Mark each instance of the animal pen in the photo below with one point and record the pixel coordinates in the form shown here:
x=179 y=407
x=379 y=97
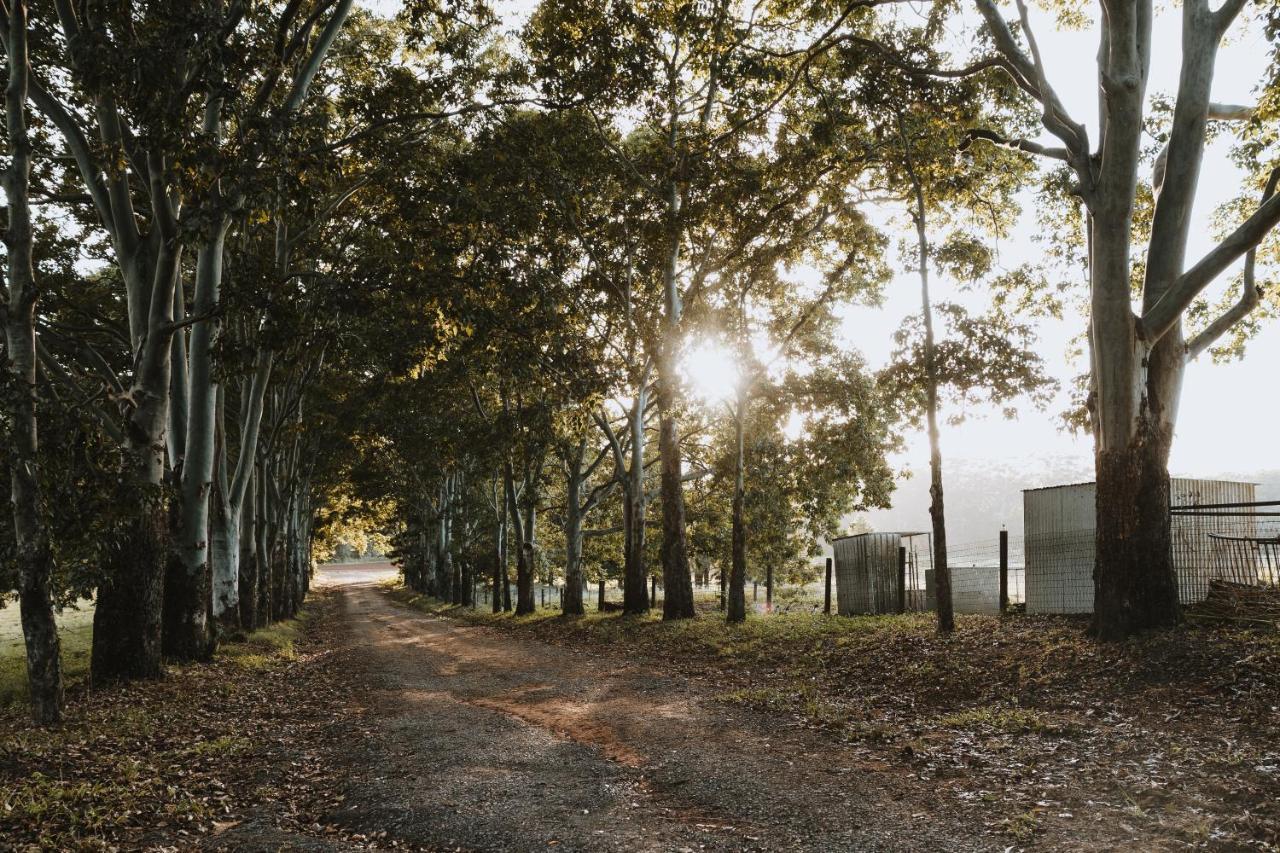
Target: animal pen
x=1218 y=533
x=893 y=573
x=879 y=573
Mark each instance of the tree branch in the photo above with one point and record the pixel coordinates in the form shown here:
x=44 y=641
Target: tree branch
x=1164 y=314
x=1029 y=74
x=1250 y=296
x=1024 y=145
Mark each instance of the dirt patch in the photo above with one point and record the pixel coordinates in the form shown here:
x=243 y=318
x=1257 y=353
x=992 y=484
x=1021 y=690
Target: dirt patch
x=574 y=720
x=483 y=741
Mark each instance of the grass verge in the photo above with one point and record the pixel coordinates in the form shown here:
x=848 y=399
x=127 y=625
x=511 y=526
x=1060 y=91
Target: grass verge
x=75 y=631
x=150 y=764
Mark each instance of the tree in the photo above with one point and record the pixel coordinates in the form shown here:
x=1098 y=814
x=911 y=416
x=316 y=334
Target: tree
x=1137 y=357
x=33 y=549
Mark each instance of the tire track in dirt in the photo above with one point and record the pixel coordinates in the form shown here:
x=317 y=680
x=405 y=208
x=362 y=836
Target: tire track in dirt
x=479 y=740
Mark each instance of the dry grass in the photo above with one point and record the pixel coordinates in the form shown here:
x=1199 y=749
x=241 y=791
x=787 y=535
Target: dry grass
x=144 y=765
x=75 y=630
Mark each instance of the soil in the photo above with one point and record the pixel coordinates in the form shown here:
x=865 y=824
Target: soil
x=476 y=739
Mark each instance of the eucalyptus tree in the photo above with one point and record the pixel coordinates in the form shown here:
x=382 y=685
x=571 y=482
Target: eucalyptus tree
x=32 y=547
x=584 y=491
x=811 y=436
x=886 y=102
x=1137 y=355
x=923 y=161
x=698 y=83
x=151 y=210
x=187 y=632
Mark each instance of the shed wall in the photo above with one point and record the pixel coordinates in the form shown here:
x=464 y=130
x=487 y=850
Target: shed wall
x=867 y=573
x=1059 y=526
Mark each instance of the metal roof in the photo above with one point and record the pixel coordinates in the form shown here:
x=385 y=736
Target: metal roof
x=902 y=533
x=1091 y=482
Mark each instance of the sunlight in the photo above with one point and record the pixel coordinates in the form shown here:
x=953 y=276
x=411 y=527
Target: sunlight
x=711 y=371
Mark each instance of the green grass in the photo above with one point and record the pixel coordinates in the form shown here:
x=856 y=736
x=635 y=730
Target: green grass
x=75 y=630
x=266 y=646
x=1010 y=721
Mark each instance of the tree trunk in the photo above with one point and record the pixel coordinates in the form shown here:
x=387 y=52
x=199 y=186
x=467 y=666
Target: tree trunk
x=937 y=513
x=677 y=585
x=224 y=563
x=524 y=588
x=262 y=548
x=635 y=599
x=737 y=611
x=188 y=590
x=129 y=605
x=248 y=592
x=127 y=613
x=499 y=562
x=571 y=600
x=229 y=495
x=502 y=565
x=34 y=556
x=1135 y=584
x=526 y=564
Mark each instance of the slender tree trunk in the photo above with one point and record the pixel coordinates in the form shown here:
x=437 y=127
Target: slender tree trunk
x=677 y=583
x=262 y=557
x=635 y=595
x=524 y=581
x=224 y=563
x=34 y=556
x=179 y=399
x=738 y=570
x=524 y=585
x=499 y=561
x=937 y=512
x=187 y=633
x=571 y=600
x=502 y=567
x=229 y=495
x=249 y=555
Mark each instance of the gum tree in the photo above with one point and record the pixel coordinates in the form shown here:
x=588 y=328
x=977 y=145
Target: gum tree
x=1138 y=348
x=33 y=549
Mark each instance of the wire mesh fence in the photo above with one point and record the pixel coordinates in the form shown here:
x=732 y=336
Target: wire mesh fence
x=1234 y=542
x=1044 y=571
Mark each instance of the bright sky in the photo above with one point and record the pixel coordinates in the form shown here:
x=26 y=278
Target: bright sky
x=1228 y=413
x=1218 y=400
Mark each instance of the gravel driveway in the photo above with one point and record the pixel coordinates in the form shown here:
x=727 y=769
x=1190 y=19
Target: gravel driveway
x=477 y=740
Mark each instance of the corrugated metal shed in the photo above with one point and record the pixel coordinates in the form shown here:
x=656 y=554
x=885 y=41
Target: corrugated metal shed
x=1059 y=524
x=867 y=576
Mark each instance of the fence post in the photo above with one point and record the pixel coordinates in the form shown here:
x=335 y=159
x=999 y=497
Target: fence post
x=768 y=589
x=600 y=600
x=543 y=591
x=755 y=590
x=653 y=591
x=902 y=579
x=1004 y=572
x=826 y=605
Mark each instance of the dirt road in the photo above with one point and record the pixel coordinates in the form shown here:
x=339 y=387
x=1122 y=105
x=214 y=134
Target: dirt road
x=480 y=741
